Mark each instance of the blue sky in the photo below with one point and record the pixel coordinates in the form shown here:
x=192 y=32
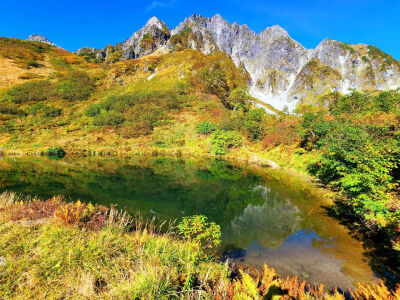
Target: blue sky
x=77 y=23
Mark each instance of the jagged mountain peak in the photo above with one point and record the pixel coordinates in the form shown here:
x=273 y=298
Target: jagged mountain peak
x=218 y=18
x=327 y=47
x=154 y=21
x=40 y=38
x=275 y=30
x=154 y=34
x=195 y=18
x=236 y=24
x=282 y=71
x=273 y=33
x=328 y=42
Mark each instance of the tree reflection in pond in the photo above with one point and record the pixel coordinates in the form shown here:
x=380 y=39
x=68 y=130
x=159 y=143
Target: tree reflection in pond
x=266 y=216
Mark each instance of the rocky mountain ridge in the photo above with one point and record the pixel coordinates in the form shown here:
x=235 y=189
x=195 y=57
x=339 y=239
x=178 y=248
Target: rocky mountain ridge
x=41 y=38
x=282 y=71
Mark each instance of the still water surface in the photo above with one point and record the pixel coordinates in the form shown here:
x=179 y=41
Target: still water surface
x=266 y=216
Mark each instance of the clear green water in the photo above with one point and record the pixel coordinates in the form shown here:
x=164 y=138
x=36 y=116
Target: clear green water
x=266 y=216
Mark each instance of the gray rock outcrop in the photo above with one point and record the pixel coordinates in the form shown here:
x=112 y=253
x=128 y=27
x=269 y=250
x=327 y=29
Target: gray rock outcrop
x=41 y=38
x=283 y=72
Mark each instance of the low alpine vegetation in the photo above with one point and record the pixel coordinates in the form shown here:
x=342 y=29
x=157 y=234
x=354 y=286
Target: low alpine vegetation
x=90 y=251
x=206 y=128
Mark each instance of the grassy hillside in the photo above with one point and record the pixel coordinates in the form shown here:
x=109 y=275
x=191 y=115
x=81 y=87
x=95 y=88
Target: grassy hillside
x=153 y=102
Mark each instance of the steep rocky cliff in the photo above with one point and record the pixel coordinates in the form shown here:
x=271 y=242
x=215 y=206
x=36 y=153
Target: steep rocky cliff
x=282 y=71
x=154 y=35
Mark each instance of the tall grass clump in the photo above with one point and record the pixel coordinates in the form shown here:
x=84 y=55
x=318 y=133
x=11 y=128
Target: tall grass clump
x=8 y=198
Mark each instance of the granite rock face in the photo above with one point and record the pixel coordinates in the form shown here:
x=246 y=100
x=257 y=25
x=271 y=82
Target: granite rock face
x=40 y=38
x=145 y=41
x=282 y=71
x=148 y=39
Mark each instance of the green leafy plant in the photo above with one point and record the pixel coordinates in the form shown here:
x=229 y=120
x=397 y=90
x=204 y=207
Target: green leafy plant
x=239 y=99
x=34 y=64
x=108 y=119
x=205 y=127
x=223 y=140
x=254 y=123
x=30 y=91
x=214 y=81
x=362 y=167
x=92 y=110
x=10 y=108
x=44 y=110
x=199 y=230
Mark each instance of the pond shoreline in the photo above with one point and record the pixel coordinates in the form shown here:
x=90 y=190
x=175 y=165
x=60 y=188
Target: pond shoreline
x=269 y=203
x=250 y=157
x=239 y=279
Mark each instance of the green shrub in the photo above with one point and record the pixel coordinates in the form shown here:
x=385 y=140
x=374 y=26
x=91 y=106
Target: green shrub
x=34 y=64
x=223 y=140
x=254 y=123
x=141 y=110
x=51 y=111
x=362 y=167
x=214 y=81
x=92 y=110
x=357 y=103
x=118 y=103
x=239 y=99
x=30 y=91
x=233 y=121
x=75 y=86
x=142 y=119
x=56 y=151
x=314 y=128
x=388 y=101
x=89 y=56
x=44 y=110
x=200 y=231
x=353 y=103
x=10 y=108
x=205 y=127
x=108 y=119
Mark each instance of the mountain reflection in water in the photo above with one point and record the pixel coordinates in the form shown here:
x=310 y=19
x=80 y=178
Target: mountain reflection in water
x=266 y=216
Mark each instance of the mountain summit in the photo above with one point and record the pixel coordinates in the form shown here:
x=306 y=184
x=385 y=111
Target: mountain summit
x=148 y=39
x=41 y=38
x=282 y=71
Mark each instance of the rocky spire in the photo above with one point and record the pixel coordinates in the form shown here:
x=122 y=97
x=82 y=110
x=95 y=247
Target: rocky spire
x=154 y=21
x=154 y=34
x=273 y=32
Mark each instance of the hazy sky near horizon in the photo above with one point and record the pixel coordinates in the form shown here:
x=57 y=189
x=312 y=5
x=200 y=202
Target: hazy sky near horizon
x=76 y=23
